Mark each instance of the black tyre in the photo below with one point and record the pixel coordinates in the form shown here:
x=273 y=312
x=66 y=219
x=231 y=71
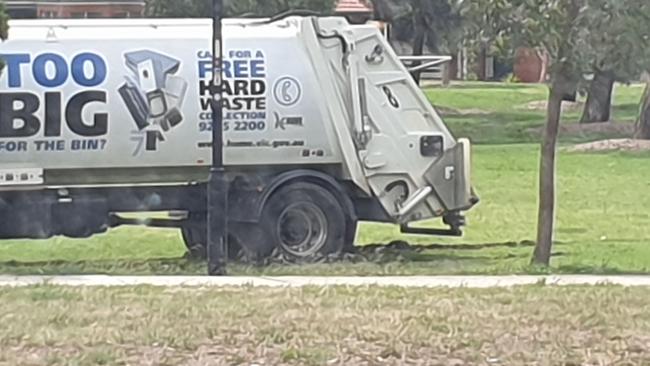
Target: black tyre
x=305 y=222
x=350 y=236
x=195 y=244
x=195 y=240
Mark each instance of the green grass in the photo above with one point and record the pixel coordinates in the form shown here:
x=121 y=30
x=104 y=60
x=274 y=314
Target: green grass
x=602 y=228
x=497 y=113
x=602 y=220
x=319 y=326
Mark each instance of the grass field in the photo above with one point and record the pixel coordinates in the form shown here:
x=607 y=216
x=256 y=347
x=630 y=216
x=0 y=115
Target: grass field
x=500 y=113
x=602 y=222
x=602 y=228
x=335 y=326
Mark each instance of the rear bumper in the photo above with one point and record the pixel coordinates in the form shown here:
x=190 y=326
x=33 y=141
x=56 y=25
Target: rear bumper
x=450 y=178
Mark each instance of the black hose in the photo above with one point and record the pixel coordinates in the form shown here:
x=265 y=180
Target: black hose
x=296 y=12
x=314 y=20
x=321 y=35
x=283 y=15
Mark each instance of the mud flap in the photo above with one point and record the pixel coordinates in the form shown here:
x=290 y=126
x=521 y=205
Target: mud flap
x=449 y=176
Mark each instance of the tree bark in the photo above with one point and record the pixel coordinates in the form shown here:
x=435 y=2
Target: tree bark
x=543 y=58
x=563 y=87
x=482 y=62
x=546 y=218
x=643 y=124
x=418 y=49
x=599 y=99
x=446 y=74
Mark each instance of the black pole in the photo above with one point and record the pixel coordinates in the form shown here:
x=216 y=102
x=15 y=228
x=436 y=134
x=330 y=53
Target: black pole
x=217 y=185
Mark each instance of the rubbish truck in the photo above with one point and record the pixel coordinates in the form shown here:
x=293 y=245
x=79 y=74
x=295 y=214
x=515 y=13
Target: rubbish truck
x=323 y=128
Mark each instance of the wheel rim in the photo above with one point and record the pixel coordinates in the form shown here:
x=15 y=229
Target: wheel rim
x=302 y=229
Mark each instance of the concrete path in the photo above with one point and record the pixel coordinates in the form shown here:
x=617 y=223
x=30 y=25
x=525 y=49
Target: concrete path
x=412 y=282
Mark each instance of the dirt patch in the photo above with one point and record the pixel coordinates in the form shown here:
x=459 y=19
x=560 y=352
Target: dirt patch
x=612 y=145
x=607 y=129
x=542 y=105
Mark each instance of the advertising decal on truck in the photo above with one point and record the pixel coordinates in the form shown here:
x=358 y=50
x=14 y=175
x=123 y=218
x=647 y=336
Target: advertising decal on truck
x=138 y=99
x=50 y=71
x=153 y=95
x=244 y=90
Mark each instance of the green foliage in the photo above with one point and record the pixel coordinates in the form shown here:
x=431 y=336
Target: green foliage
x=203 y=8
x=439 y=21
x=580 y=35
x=4 y=19
x=621 y=38
x=178 y=8
x=4 y=27
x=485 y=21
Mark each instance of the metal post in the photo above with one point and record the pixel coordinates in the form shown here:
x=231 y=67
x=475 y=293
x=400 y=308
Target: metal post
x=217 y=185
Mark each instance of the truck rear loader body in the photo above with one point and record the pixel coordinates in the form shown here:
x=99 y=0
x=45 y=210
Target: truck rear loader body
x=323 y=127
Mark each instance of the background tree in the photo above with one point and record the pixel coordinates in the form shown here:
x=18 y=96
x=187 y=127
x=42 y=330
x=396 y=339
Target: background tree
x=4 y=22
x=202 y=8
x=643 y=123
x=4 y=27
x=621 y=53
x=431 y=24
x=557 y=27
x=573 y=33
x=178 y=8
x=487 y=28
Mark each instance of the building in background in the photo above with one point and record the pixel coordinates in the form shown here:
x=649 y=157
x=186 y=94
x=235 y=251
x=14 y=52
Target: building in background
x=29 y=9
x=356 y=11
x=531 y=65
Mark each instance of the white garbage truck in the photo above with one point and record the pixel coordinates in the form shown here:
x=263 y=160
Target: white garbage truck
x=323 y=128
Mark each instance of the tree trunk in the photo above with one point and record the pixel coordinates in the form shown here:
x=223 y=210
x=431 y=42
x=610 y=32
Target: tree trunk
x=643 y=125
x=446 y=74
x=482 y=62
x=418 y=50
x=543 y=58
x=599 y=99
x=563 y=87
x=546 y=218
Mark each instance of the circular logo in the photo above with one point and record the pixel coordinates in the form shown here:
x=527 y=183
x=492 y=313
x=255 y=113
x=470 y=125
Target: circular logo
x=287 y=91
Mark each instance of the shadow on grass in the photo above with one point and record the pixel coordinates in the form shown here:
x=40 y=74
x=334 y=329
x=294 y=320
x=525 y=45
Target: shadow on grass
x=627 y=109
x=349 y=265
x=506 y=119
x=404 y=246
x=397 y=258
x=484 y=86
x=401 y=253
x=158 y=266
x=474 y=255
x=597 y=270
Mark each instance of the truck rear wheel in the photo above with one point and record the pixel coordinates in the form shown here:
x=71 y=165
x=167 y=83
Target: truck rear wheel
x=305 y=222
